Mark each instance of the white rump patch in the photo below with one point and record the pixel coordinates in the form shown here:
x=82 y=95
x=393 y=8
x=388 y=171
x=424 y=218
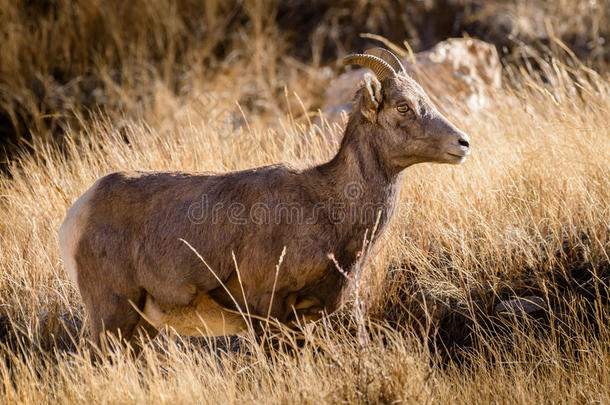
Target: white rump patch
x=71 y=230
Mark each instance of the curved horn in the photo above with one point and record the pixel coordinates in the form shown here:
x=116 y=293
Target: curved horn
x=381 y=68
x=388 y=57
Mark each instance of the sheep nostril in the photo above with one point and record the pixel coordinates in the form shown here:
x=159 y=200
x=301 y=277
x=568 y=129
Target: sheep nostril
x=464 y=142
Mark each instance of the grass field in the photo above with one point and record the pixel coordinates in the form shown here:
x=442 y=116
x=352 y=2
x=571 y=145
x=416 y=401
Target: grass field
x=528 y=214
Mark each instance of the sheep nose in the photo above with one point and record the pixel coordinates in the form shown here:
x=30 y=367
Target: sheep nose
x=464 y=142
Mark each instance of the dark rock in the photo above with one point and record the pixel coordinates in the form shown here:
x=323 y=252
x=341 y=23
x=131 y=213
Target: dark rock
x=520 y=306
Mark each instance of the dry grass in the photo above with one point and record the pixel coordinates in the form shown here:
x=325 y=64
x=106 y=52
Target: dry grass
x=527 y=214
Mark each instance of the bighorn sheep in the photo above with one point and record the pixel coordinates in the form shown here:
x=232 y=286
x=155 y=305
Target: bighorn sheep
x=122 y=242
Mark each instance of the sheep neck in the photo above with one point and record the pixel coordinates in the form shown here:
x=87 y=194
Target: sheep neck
x=360 y=176
x=360 y=160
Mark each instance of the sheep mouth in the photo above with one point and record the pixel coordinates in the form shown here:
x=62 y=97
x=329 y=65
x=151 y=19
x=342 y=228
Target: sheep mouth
x=454 y=158
x=455 y=155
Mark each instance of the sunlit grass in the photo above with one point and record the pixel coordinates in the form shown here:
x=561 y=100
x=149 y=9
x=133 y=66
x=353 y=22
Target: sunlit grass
x=528 y=206
x=527 y=214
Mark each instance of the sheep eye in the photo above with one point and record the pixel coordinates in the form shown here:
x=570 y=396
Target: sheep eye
x=403 y=108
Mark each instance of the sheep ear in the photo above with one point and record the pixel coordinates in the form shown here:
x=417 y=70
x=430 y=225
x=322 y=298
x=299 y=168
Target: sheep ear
x=371 y=98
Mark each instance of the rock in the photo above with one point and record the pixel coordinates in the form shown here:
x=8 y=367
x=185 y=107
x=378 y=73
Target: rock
x=462 y=69
x=520 y=306
x=59 y=329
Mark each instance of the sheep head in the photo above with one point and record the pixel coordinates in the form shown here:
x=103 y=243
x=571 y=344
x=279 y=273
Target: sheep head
x=407 y=127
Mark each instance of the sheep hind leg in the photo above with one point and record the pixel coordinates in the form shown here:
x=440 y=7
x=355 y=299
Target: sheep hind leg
x=114 y=313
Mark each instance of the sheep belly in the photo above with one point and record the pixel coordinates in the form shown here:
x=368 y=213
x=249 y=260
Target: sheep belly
x=203 y=317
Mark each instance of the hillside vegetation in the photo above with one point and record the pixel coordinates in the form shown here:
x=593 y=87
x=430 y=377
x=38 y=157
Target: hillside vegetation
x=94 y=87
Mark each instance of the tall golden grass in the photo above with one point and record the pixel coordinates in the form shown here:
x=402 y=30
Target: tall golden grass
x=527 y=214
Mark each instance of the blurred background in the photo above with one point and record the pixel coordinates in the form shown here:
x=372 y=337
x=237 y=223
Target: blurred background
x=63 y=62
